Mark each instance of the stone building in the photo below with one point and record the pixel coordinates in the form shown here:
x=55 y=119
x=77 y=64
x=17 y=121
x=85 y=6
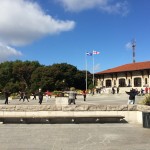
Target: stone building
x=133 y=75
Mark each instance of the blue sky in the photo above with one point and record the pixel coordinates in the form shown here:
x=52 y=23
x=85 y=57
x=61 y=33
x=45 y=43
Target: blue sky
x=62 y=31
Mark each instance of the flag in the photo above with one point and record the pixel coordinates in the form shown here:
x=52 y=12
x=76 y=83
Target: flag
x=96 y=52
x=89 y=54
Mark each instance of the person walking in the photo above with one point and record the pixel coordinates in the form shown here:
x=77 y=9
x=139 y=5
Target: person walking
x=84 y=95
x=40 y=94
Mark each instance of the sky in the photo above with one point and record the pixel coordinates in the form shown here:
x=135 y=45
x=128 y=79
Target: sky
x=62 y=31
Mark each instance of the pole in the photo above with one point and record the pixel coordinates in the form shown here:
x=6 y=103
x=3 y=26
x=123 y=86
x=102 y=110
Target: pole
x=133 y=48
x=93 y=70
x=86 y=70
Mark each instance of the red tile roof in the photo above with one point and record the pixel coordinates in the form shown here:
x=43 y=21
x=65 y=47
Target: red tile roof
x=128 y=67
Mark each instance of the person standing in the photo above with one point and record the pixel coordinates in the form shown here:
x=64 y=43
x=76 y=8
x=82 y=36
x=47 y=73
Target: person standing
x=47 y=95
x=142 y=92
x=71 y=96
x=6 y=96
x=40 y=94
x=118 y=89
x=113 y=90
x=84 y=95
x=34 y=95
x=146 y=90
x=21 y=95
x=25 y=96
x=132 y=95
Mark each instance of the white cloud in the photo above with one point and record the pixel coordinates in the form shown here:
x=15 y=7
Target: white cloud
x=7 y=52
x=128 y=45
x=22 y=21
x=109 y=6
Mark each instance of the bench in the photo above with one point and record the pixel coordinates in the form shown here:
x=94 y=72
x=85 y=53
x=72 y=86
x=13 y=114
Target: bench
x=65 y=119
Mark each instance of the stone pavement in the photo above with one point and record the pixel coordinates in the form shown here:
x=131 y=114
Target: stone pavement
x=74 y=137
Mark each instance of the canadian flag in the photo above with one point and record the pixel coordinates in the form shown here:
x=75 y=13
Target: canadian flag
x=96 y=52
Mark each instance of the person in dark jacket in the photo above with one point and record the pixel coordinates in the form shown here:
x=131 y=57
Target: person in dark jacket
x=84 y=95
x=34 y=95
x=113 y=90
x=7 y=94
x=21 y=95
x=132 y=95
x=25 y=96
x=40 y=94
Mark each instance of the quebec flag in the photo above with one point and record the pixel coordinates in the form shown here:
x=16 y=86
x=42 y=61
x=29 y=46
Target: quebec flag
x=89 y=54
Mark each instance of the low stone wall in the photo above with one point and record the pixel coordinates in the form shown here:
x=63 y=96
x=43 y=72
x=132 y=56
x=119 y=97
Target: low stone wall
x=132 y=113
x=74 y=108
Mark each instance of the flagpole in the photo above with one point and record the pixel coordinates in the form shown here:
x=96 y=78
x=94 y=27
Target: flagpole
x=86 y=69
x=93 y=70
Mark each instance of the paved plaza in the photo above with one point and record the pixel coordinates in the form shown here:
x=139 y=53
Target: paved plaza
x=74 y=137
x=107 y=136
x=108 y=99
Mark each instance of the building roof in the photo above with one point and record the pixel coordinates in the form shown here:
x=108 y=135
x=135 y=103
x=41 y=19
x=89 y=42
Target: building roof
x=128 y=67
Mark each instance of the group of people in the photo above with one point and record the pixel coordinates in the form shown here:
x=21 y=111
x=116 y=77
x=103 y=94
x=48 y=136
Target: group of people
x=40 y=95
x=71 y=95
x=24 y=96
x=114 y=90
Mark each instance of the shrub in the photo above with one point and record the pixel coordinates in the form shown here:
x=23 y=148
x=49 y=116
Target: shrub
x=146 y=100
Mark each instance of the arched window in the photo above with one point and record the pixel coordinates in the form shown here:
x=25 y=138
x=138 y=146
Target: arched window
x=108 y=83
x=122 y=83
x=137 y=82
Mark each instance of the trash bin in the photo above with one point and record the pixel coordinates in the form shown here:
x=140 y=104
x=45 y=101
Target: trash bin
x=146 y=119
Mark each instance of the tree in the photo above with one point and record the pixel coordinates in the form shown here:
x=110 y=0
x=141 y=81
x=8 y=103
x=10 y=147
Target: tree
x=30 y=76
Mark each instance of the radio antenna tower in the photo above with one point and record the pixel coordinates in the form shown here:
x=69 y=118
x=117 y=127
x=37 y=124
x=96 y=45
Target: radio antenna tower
x=133 y=48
